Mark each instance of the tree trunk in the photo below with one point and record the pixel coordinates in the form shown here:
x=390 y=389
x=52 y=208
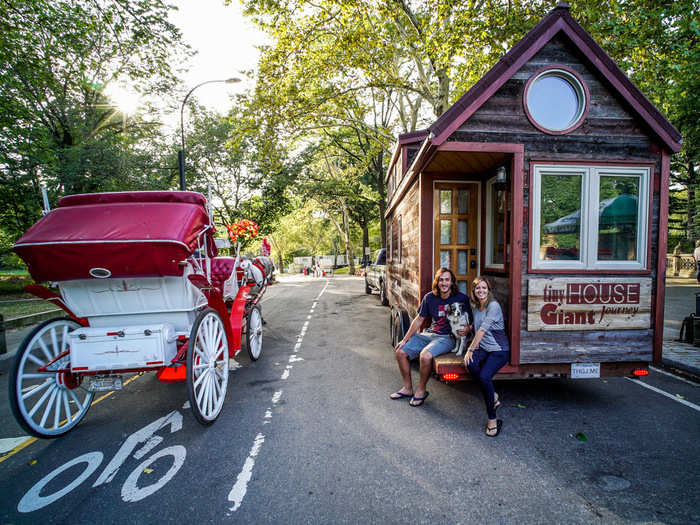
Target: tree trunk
x=365 y=242
x=381 y=188
x=346 y=237
x=690 y=229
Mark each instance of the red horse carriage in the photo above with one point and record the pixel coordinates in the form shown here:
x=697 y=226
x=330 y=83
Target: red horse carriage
x=139 y=277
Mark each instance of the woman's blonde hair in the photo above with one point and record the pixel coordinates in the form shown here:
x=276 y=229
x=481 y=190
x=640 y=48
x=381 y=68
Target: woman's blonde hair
x=453 y=286
x=472 y=296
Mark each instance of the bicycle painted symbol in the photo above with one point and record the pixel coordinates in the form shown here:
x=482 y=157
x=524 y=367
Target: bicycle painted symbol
x=131 y=491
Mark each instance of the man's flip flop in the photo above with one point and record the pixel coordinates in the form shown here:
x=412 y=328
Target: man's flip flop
x=418 y=401
x=499 y=424
x=399 y=395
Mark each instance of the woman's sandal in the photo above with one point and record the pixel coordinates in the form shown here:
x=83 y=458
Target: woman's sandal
x=497 y=428
x=497 y=404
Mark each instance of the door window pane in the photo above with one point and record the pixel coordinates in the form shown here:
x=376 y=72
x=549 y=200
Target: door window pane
x=462 y=201
x=617 y=218
x=560 y=229
x=461 y=262
x=462 y=232
x=445 y=201
x=445 y=231
x=445 y=258
x=498 y=222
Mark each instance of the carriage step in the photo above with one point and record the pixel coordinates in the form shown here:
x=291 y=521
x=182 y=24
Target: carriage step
x=106 y=383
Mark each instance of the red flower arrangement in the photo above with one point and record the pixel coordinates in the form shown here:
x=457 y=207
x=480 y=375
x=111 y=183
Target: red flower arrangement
x=244 y=230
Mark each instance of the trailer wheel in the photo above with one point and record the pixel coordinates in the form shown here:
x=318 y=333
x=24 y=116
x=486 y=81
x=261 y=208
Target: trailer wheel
x=47 y=404
x=382 y=294
x=207 y=366
x=254 y=333
x=391 y=327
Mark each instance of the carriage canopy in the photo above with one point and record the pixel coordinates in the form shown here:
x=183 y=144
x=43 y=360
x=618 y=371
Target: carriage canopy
x=128 y=234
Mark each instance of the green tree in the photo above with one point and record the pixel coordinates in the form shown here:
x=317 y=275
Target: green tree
x=57 y=125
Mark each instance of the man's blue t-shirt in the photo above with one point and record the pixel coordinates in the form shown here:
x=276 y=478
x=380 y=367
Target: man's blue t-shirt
x=437 y=308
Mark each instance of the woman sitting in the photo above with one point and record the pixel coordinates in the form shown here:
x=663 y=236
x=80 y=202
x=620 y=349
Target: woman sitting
x=489 y=350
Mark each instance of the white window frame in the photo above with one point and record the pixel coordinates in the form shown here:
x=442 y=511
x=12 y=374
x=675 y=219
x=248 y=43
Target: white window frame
x=489 y=228
x=590 y=197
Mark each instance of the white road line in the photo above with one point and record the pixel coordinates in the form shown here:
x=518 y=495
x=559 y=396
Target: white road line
x=8 y=444
x=663 y=393
x=674 y=376
x=241 y=487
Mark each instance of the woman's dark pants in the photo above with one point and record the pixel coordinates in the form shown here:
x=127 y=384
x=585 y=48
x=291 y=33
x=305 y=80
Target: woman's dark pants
x=483 y=367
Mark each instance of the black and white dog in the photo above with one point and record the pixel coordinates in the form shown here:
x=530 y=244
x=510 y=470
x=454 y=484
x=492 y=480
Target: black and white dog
x=459 y=320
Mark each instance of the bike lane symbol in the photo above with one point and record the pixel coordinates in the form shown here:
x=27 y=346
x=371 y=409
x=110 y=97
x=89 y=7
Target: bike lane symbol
x=33 y=500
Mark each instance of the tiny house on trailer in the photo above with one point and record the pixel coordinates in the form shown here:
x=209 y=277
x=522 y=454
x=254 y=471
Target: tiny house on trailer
x=549 y=176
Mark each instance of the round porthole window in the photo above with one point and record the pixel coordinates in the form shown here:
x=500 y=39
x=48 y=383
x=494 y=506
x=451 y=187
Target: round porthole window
x=556 y=100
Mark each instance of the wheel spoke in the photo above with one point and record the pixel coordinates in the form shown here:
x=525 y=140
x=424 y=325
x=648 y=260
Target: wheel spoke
x=57 y=408
x=81 y=406
x=42 y=399
x=217 y=385
x=202 y=355
x=35 y=389
x=42 y=346
x=35 y=360
x=54 y=341
x=64 y=338
x=207 y=395
x=202 y=388
x=64 y=395
x=46 y=375
x=47 y=410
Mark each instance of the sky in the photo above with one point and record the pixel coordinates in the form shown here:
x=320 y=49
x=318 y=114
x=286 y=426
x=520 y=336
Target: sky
x=224 y=40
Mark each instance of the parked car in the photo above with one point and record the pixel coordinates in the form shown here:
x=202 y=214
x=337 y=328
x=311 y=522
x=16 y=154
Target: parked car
x=375 y=276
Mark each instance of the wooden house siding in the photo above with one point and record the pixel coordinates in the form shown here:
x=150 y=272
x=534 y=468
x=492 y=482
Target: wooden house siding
x=403 y=276
x=610 y=133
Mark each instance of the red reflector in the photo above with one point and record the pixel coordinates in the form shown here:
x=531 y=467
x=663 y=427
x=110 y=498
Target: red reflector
x=452 y=376
x=149 y=363
x=171 y=374
x=80 y=368
x=640 y=372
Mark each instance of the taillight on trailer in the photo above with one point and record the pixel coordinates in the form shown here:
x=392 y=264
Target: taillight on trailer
x=451 y=376
x=639 y=372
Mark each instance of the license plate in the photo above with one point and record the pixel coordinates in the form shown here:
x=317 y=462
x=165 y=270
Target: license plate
x=585 y=370
x=103 y=384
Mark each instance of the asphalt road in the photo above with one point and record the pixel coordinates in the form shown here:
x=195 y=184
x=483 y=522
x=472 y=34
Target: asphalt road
x=309 y=435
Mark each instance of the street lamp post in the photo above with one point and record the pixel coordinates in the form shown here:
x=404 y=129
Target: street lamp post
x=181 y=153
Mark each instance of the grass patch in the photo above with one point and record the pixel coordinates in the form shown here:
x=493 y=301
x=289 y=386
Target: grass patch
x=12 y=307
x=341 y=271
x=15 y=302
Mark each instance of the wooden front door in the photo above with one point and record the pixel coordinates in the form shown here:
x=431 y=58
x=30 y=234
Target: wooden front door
x=456 y=230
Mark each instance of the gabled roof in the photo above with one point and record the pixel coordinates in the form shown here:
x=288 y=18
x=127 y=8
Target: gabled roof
x=559 y=19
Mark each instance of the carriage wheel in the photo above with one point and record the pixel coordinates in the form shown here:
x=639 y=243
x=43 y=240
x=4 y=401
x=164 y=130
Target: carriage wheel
x=207 y=366
x=47 y=404
x=254 y=333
